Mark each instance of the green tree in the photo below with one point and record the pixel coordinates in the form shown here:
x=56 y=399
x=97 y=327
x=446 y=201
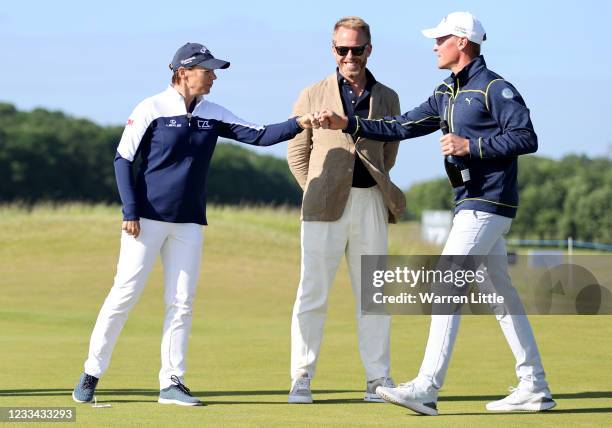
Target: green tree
x=434 y=194
x=49 y=156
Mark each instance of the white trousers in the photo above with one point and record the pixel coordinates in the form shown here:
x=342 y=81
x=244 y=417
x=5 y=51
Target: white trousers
x=180 y=245
x=361 y=230
x=481 y=233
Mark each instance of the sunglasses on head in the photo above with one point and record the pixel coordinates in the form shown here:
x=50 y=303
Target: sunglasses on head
x=356 y=50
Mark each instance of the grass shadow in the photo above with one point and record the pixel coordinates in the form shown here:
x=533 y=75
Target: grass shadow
x=154 y=392
x=556 y=396
x=549 y=412
x=108 y=396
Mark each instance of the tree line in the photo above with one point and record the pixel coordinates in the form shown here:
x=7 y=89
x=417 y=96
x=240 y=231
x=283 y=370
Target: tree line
x=49 y=156
x=558 y=198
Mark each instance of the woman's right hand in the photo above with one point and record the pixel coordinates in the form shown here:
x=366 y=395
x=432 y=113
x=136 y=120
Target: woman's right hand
x=131 y=227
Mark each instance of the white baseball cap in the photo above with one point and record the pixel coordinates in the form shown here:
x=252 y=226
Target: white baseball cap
x=461 y=24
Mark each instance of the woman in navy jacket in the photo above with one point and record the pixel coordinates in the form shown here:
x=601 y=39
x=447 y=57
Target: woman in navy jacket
x=174 y=134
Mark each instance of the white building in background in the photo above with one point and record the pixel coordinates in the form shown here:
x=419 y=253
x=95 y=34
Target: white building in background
x=545 y=258
x=435 y=226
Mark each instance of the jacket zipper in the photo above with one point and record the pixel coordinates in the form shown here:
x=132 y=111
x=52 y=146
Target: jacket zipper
x=451 y=105
x=189 y=126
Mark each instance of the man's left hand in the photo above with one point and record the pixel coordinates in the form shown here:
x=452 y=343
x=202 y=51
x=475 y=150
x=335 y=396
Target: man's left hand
x=455 y=145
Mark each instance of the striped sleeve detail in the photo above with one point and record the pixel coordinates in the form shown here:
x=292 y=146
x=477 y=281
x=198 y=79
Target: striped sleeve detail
x=356 y=126
x=426 y=121
x=487 y=92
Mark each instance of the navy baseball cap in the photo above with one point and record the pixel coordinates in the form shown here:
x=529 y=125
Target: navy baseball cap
x=192 y=54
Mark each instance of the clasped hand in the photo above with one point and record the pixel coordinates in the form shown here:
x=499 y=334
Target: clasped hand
x=450 y=144
x=325 y=119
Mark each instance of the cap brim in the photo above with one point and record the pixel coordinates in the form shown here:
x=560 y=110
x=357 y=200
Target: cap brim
x=434 y=33
x=214 y=64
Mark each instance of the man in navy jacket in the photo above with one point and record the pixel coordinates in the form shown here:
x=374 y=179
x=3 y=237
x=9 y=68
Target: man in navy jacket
x=487 y=128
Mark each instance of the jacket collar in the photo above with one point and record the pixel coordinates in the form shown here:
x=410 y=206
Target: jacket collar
x=471 y=69
x=177 y=97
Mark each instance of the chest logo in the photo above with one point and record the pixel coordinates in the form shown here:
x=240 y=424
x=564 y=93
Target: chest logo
x=204 y=124
x=507 y=93
x=469 y=101
x=173 y=124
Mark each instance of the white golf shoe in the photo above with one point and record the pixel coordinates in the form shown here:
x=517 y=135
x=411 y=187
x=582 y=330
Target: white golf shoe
x=524 y=399
x=372 y=385
x=300 y=391
x=413 y=396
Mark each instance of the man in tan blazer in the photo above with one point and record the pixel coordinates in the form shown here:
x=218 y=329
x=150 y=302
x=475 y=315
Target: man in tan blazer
x=348 y=201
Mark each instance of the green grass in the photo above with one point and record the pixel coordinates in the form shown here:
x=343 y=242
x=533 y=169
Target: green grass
x=57 y=264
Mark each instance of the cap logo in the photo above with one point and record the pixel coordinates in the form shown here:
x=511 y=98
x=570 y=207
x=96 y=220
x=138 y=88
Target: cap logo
x=205 y=51
x=187 y=60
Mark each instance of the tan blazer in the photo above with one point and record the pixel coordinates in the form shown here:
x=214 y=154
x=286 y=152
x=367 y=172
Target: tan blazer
x=322 y=160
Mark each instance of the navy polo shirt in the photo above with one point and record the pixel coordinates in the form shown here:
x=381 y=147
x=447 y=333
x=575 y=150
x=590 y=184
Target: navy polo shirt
x=357 y=105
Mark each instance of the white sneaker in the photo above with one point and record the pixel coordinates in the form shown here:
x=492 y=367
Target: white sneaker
x=524 y=399
x=412 y=396
x=371 y=385
x=300 y=391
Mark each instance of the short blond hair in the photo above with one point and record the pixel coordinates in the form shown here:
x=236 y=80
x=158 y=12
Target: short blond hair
x=355 y=23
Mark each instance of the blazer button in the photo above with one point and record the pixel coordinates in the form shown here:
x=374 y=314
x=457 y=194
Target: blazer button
x=350 y=169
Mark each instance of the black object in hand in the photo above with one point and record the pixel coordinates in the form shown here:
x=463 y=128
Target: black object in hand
x=456 y=169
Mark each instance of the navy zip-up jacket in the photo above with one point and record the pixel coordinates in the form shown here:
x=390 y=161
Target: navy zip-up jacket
x=481 y=106
x=176 y=147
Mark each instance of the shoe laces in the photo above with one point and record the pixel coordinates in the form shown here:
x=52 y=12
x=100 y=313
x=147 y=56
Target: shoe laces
x=388 y=382
x=180 y=385
x=89 y=382
x=515 y=392
x=302 y=383
x=407 y=385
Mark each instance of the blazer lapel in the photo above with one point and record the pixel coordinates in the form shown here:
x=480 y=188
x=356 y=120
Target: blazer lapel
x=336 y=100
x=332 y=82
x=376 y=106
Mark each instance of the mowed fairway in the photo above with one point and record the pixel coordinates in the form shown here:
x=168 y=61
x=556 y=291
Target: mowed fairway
x=57 y=265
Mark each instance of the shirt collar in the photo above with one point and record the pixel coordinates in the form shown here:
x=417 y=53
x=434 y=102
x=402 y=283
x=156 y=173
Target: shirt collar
x=370 y=80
